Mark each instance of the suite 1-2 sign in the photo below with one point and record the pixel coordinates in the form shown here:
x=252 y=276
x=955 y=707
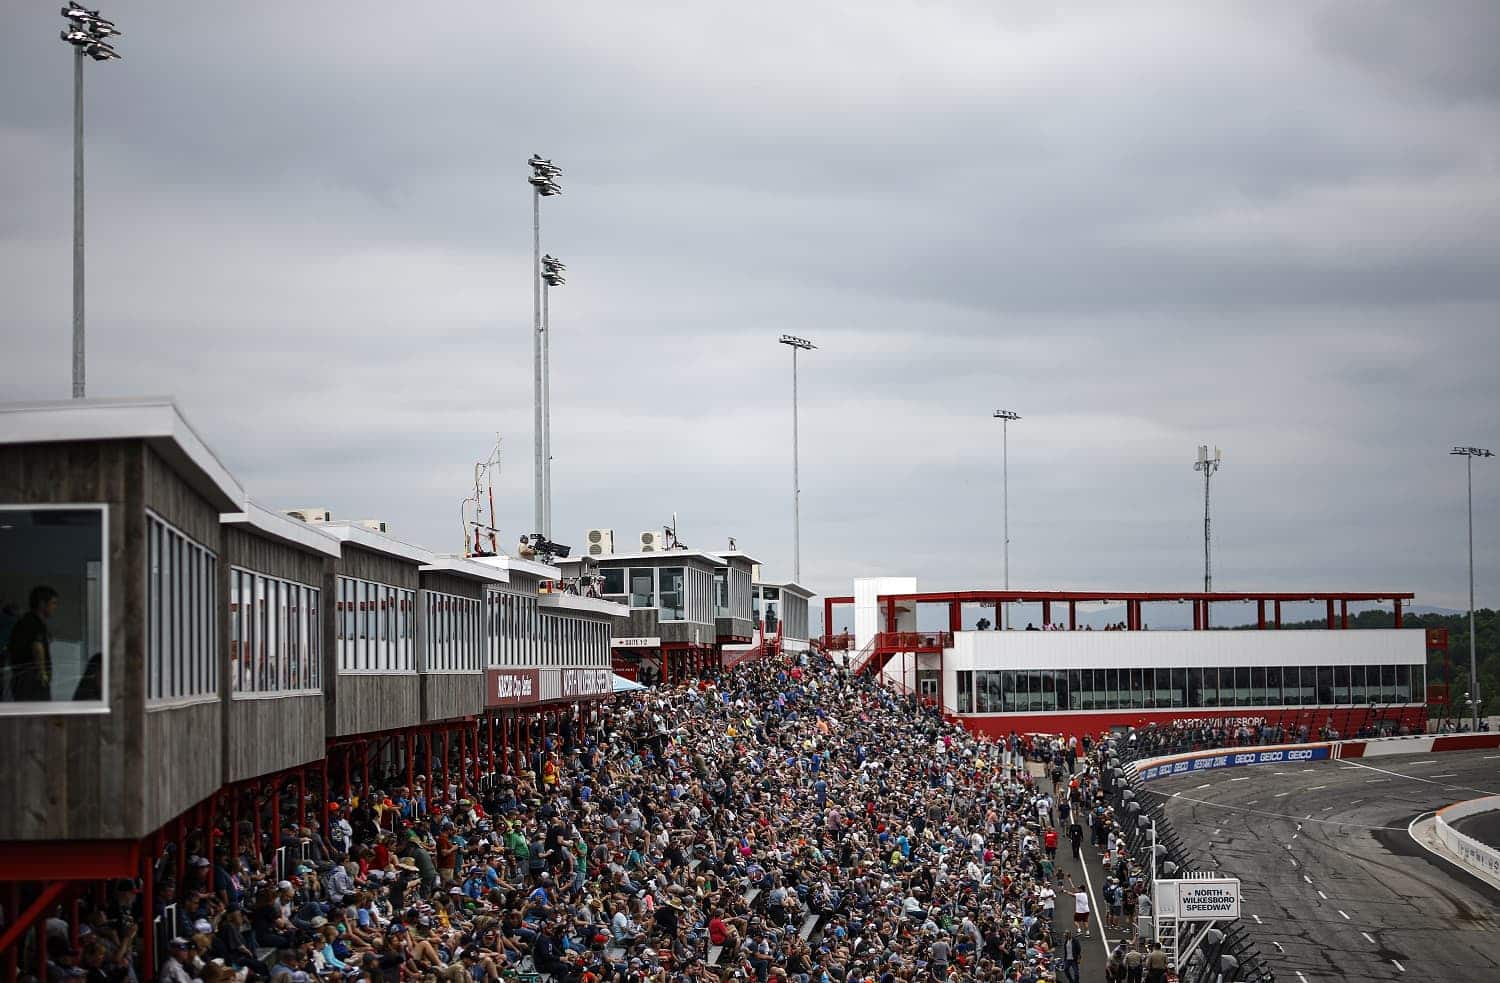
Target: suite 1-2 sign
x=1208 y=900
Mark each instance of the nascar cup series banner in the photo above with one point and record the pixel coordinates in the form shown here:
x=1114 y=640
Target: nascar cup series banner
x=1231 y=759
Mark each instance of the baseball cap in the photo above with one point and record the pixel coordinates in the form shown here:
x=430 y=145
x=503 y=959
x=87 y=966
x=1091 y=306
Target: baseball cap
x=178 y=942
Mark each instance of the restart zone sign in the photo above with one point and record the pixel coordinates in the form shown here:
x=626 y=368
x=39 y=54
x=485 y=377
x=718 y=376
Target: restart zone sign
x=1232 y=759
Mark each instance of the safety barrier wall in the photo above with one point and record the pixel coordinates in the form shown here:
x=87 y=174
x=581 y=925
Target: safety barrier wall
x=1478 y=857
x=1165 y=766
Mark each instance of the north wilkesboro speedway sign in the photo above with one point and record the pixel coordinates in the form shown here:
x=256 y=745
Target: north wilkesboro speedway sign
x=1231 y=759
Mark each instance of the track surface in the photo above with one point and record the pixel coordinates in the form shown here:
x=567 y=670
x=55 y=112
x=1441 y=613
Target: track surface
x=1333 y=886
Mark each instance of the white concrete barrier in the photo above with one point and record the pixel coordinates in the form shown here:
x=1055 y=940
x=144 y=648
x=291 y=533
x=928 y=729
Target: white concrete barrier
x=1480 y=858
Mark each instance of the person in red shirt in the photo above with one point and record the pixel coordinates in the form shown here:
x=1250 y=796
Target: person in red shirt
x=721 y=933
x=1049 y=840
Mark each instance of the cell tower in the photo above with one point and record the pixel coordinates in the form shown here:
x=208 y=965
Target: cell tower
x=1209 y=466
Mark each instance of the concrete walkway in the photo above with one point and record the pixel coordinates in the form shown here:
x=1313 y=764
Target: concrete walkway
x=1095 y=954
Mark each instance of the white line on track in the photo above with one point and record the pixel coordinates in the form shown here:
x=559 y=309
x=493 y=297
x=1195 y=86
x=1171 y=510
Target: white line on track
x=1398 y=965
x=1307 y=879
x=1322 y=895
x=1368 y=938
x=1300 y=976
x=1206 y=785
x=1247 y=777
x=1281 y=795
x=1372 y=781
x=1278 y=947
x=1096 y=911
x=1316 y=787
x=1341 y=912
x=1412 y=778
x=1216 y=832
x=1490 y=757
x=1449 y=775
x=1257 y=919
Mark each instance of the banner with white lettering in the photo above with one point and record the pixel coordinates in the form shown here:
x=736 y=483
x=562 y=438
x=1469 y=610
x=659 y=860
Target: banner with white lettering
x=1231 y=759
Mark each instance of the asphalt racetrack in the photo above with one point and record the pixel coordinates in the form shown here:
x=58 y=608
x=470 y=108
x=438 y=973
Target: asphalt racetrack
x=1333 y=887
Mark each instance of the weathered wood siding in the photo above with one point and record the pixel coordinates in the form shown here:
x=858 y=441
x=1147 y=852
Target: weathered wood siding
x=451 y=694
x=647 y=624
x=734 y=627
x=79 y=777
x=374 y=702
x=184 y=766
x=270 y=734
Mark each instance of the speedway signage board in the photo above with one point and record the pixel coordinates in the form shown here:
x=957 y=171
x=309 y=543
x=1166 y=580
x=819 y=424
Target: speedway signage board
x=1208 y=900
x=511 y=687
x=587 y=682
x=1232 y=759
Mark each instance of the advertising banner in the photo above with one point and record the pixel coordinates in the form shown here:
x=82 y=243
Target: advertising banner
x=1231 y=759
x=511 y=687
x=587 y=682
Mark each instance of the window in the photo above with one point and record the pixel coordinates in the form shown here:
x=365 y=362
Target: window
x=965 y=681
x=453 y=635
x=1357 y=692
x=721 y=593
x=1387 y=684
x=52 y=569
x=673 y=606
x=614 y=581
x=1324 y=677
x=642 y=587
x=182 y=613
x=379 y=631
x=1340 y=684
x=275 y=641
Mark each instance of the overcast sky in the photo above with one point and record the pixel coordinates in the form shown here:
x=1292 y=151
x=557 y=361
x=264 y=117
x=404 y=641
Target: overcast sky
x=1271 y=227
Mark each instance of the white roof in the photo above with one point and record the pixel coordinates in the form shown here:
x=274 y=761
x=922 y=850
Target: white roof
x=284 y=528
x=790 y=585
x=463 y=566
x=714 y=558
x=154 y=419
x=348 y=532
x=583 y=605
x=515 y=564
x=737 y=555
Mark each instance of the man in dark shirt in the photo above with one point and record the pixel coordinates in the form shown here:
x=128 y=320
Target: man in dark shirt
x=29 y=650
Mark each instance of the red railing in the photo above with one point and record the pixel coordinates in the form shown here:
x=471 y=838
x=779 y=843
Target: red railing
x=838 y=643
x=913 y=641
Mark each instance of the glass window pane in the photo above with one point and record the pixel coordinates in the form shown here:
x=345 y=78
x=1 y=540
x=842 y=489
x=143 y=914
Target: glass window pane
x=642 y=587
x=672 y=606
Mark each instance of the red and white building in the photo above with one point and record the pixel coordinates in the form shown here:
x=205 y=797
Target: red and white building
x=1073 y=681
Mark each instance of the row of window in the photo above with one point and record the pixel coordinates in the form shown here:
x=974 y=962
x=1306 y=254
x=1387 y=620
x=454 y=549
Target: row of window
x=731 y=593
x=678 y=593
x=773 y=606
x=182 y=613
x=514 y=629
x=575 y=641
x=275 y=639
x=1039 y=690
x=454 y=637
x=376 y=627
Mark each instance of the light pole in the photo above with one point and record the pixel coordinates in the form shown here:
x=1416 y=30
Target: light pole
x=1469 y=453
x=89 y=34
x=544 y=184
x=1005 y=417
x=796 y=344
x=1209 y=466
x=552 y=276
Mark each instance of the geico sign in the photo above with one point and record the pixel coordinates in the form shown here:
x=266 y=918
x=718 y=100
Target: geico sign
x=1304 y=755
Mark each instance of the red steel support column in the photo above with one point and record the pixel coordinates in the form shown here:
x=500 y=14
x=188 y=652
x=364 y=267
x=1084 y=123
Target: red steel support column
x=1046 y=613
x=1197 y=617
x=1343 y=614
x=955 y=616
x=301 y=798
x=1260 y=613
x=181 y=856
x=1205 y=614
x=1330 y=613
x=409 y=741
x=12 y=910
x=275 y=815
x=1398 y=612
x=890 y=614
x=1072 y=616
x=1278 y=614
x=234 y=822
x=489 y=723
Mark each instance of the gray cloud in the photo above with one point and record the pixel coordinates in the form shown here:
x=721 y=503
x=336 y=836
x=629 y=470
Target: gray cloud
x=1144 y=228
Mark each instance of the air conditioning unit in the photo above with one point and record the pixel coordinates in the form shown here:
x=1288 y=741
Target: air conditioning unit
x=600 y=542
x=652 y=541
x=311 y=514
x=374 y=525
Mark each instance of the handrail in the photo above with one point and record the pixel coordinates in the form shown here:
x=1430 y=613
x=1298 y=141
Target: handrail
x=914 y=641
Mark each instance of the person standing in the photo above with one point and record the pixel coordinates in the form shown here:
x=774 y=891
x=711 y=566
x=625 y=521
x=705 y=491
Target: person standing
x=1156 y=964
x=1135 y=962
x=29 y=649
x=1075 y=834
x=1081 y=910
x=1072 y=955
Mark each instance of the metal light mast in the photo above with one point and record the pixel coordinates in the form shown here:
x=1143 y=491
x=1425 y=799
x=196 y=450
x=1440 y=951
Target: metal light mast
x=1005 y=417
x=89 y=34
x=544 y=184
x=1469 y=453
x=796 y=344
x=552 y=276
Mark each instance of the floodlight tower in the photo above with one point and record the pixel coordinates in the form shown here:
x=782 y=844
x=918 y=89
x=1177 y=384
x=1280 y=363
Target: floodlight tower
x=1006 y=417
x=543 y=181
x=552 y=276
x=796 y=344
x=1469 y=453
x=1209 y=466
x=89 y=34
